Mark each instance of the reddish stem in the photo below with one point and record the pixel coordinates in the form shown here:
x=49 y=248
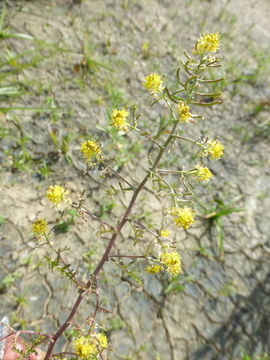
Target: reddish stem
x=128 y=256
x=106 y=254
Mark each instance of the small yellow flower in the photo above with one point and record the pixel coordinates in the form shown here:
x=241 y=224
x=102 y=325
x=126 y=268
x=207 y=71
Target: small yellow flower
x=203 y=174
x=184 y=113
x=56 y=194
x=153 y=269
x=214 y=148
x=39 y=227
x=102 y=341
x=83 y=347
x=172 y=261
x=208 y=42
x=153 y=82
x=165 y=233
x=183 y=217
x=119 y=119
x=91 y=150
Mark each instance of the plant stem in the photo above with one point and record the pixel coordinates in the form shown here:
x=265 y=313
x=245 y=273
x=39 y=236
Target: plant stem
x=106 y=254
x=118 y=176
x=65 y=325
x=128 y=256
x=132 y=202
x=192 y=141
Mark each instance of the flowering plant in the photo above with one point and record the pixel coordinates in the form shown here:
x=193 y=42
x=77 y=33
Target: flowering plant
x=192 y=91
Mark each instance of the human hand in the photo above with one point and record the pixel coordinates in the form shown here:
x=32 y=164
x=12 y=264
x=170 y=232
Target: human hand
x=10 y=354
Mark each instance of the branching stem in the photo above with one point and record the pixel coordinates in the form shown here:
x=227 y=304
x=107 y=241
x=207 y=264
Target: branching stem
x=189 y=86
x=111 y=243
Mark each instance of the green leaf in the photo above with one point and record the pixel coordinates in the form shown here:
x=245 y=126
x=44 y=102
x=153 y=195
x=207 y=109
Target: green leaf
x=2 y=220
x=54 y=138
x=8 y=91
x=10 y=279
x=172 y=287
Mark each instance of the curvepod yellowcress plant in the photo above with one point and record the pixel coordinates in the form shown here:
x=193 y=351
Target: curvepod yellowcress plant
x=172 y=262
x=153 y=83
x=119 y=119
x=214 y=149
x=91 y=151
x=183 y=217
x=207 y=43
x=158 y=245
x=56 y=194
x=89 y=347
x=202 y=173
x=153 y=269
x=165 y=233
x=183 y=112
x=39 y=227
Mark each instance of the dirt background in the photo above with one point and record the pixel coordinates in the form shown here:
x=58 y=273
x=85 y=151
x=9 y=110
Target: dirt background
x=219 y=307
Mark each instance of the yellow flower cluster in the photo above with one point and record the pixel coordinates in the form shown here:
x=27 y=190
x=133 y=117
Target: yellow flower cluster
x=88 y=347
x=183 y=217
x=83 y=348
x=153 y=269
x=39 y=227
x=203 y=174
x=56 y=194
x=169 y=261
x=214 y=148
x=102 y=341
x=172 y=261
x=208 y=42
x=119 y=119
x=164 y=233
x=91 y=150
x=153 y=82
x=183 y=111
